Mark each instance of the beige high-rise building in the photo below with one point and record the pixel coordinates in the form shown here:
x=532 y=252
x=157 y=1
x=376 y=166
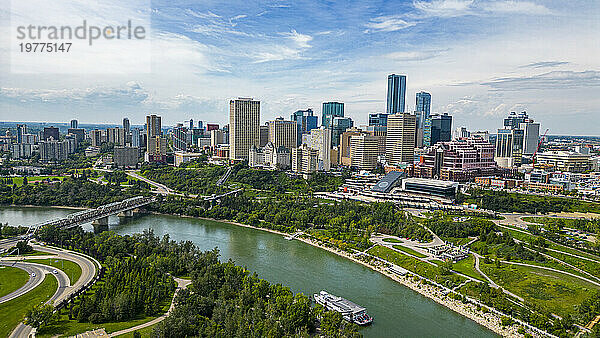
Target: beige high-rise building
x=364 y=151
x=157 y=145
x=344 y=147
x=400 y=141
x=153 y=126
x=244 y=124
x=304 y=159
x=320 y=140
x=283 y=133
x=116 y=136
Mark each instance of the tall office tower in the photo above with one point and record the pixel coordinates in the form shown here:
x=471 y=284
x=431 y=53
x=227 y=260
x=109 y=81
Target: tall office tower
x=263 y=135
x=364 y=151
x=49 y=132
x=244 y=127
x=438 y=128
x=378 y=119
x=400 y=142
x=21 y=130
x=514 y=120
x=283 y=133
x=135 y=138
x=96 y=137
x=329 y=111
x=531 y=136
x=157 y=147
x=209 y=126
x=191 y=125
x=423 y=103
x=306 y=121
x=74 y=124
x=396 y=93
x=320 y=140
x=217 y=137
x=344 y=150
x=339 y=125
x=126 y=125
x=509 y=147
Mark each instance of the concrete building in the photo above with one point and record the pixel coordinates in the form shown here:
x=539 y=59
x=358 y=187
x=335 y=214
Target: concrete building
x=304 y=160
x=277 y=158
x=364 y=151
x=567 y=161
x=244 y=127
x=320 y=140
x=74 y=124
x=531 y=136
x=217 y=137
x=54 y=150
x=458 y=160
x=50 y=132
x=136 y=138
x=116 y=136
x=509 y=147
x=126 y=157
x=96 y=137
x=181 y=157
x=78 y=132
x=153 y=126
x=400 y=141
x=126 y=125
x=283 y=133
x=344 y=149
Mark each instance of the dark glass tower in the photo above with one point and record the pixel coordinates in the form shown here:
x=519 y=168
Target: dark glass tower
x=331 y=110
x=396 y=93
x=423 y=103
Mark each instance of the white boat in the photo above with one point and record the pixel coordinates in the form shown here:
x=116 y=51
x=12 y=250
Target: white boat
x=351 y=312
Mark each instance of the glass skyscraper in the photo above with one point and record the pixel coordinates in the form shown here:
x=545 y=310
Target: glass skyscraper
x=340 y=124
x=437 y=128
x=396 y=93
x=331 y=110
x=423 y=103
x=378 y=119
x=306 y=122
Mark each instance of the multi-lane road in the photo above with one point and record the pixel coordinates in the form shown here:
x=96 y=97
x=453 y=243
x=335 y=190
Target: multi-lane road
x=66 y=287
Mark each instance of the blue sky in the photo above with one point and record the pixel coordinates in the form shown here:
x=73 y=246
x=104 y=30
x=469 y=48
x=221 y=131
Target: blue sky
x=478 y=59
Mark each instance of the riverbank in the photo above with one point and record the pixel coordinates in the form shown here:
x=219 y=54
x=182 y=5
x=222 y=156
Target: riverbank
x=470 y=311
x=49 y=206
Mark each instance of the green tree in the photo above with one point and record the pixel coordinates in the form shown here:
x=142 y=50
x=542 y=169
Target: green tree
x=41 y=316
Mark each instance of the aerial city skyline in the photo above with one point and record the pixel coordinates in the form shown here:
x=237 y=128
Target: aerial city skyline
x=475 y=73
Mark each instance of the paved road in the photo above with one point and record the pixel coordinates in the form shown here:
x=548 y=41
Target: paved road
x=88 y=272
x=31 y=284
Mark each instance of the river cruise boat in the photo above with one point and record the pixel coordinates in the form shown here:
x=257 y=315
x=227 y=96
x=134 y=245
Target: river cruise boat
x=351 y=312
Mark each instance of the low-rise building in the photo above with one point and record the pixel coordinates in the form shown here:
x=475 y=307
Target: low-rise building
x=183 y=157
x=565 y=161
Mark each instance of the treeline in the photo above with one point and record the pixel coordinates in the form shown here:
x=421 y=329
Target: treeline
x=77 y=192
x=285 y=212
x=10 y=231
x=223 y=300
x=199 y=180
x=503 y=201
x=279 y=181
x=445 y=226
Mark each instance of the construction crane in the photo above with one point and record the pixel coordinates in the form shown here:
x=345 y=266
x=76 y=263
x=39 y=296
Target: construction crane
x=538 y=147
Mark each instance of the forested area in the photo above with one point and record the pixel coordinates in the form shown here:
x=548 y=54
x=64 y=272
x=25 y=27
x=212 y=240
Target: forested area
x=445 y=226
x=223 y=299
x=76 y=192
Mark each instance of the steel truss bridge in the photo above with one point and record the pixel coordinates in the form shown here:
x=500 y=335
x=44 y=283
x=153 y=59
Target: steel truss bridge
x=98 y=216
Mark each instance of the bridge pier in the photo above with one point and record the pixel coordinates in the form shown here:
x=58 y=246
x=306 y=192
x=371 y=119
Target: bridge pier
x=101 y=224
x=126 y=213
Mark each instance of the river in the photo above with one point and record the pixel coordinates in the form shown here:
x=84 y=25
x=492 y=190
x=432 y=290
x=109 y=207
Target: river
x=397 y=310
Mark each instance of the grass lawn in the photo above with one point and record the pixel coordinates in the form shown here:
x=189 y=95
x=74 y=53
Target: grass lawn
x=13 y=311
x=392 y=240
x=409 y=251
x=554 y=291
x=417 y=266
x=66 y=327
x=145 y=332
x=72 y=269
x=31 y=179
x=33 y=253
x=467 y=267
x=11 y=279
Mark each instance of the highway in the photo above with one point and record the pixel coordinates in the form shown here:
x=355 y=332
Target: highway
x=65 y=289
x=31 y=284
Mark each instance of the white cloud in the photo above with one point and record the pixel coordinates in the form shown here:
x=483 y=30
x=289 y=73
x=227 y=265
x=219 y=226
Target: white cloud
x=387 y=24
x=516 y=7
x=549 y=80
x=415 y=55
x=301 y=40
x=444 y=8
